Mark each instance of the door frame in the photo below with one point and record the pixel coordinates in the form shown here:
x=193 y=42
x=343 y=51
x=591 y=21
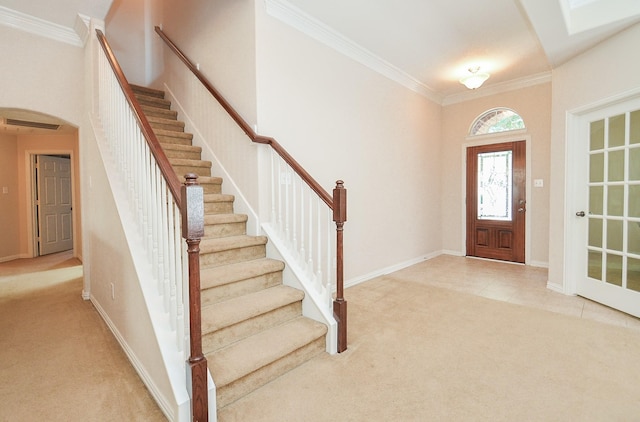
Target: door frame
x=574 y=173
x=30 y=196
x=511 y=136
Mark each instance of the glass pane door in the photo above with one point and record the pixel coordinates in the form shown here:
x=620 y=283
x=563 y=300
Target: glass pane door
x=614 y=201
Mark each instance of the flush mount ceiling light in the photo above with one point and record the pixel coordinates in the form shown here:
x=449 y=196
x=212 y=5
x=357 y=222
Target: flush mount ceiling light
x=475 y=79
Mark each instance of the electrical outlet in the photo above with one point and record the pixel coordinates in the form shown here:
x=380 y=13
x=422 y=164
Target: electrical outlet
x=538 y=183
x=5 y=190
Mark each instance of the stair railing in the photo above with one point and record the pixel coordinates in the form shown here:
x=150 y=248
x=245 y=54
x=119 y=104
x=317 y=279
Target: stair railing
x=298 y=217
x=165 y=211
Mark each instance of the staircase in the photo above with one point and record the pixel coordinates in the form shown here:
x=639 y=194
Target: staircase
x=253 y=330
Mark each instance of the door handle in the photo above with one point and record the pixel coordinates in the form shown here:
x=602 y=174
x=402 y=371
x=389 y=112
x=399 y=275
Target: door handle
x=580 y=214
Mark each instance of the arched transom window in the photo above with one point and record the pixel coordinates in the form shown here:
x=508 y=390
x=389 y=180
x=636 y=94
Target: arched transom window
x=496 y=120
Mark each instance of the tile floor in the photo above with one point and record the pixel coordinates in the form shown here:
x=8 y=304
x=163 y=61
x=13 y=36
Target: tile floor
x=519 y=284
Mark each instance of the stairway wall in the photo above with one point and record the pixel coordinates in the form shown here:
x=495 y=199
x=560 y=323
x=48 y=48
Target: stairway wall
x=123 y=293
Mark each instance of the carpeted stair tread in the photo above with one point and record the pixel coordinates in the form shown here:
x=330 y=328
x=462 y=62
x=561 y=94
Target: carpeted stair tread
x=183 y=162
x=159 y=112
x=173 y=134
x=153 y=101
x=225 y=274
x=233 y=311
x=218 y=197
x=173 y=124
x=182 y=151
x=212 y=245
x=151 y=92
x=258 y=351
x=224 y=218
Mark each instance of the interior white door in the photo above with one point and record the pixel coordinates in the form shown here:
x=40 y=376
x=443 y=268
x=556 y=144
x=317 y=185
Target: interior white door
x=55 y=224
x=608 y=217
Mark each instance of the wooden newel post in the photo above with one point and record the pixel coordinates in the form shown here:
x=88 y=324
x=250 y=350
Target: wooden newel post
x=193 y=230
x=339 y=303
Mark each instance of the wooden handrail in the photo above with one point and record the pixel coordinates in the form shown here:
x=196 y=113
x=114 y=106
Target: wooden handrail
x=189 y=198
x=152 y=140
x=246 y=128
x=337 y=202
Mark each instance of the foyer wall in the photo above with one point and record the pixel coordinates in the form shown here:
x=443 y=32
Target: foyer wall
x=342 y=120
x=534 y=105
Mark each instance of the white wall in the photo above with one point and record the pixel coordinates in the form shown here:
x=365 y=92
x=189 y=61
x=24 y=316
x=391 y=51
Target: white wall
x=42 y=75
x=114 y=283
x=45 y=76
x=609 y=69
x=129 y=30
x=341 y=120
x=219 y=35
x=534 y=105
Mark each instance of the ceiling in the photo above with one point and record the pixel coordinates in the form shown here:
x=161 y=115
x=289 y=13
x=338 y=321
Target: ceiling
x=435 y=42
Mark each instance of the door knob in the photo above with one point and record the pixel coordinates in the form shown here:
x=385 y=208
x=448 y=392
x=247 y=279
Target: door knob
x=580 y=214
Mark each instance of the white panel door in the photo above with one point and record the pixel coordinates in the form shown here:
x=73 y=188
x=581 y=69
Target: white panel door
x=607 y=211
x=55 y=224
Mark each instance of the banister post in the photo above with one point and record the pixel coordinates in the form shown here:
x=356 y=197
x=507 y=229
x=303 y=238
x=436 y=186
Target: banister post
x=192 y=196
x=339 y=303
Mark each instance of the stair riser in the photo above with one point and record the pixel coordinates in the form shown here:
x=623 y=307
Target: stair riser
x=218 y=207
x=211 y=188
x=224 y=230
x=232 y=256
x=174 y=127
x=239 y=288
x=200 y=171
x=225 y=336
x=229 y=393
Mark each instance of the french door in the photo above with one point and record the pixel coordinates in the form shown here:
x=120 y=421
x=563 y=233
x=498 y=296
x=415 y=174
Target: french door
x=607 y=213
x=496 y=201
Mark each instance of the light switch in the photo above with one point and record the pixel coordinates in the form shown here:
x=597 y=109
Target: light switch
x=538 y=183
x=5 y=190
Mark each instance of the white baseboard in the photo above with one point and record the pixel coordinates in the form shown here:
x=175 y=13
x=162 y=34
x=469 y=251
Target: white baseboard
x=540 y=264
x=135 y=362
x=387 y=270
x=13 y=257
x=556 y=287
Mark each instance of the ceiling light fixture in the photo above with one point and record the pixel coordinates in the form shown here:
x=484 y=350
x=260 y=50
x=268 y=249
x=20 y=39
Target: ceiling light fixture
x=475 y=79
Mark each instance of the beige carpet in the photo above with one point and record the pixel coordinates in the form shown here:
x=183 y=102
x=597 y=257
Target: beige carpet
x=423 y=353
x=58 y=360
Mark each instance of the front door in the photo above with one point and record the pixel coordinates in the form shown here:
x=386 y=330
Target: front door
x=496 y=206
x=607 y=211
x=53 y=190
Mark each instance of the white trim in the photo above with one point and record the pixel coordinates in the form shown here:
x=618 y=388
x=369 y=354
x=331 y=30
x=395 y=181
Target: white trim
x=298 y=19
x=387 y=270
x=12 y=257
x=540 y=264
x=527 y=81
x=34 y=25
x=557 y=288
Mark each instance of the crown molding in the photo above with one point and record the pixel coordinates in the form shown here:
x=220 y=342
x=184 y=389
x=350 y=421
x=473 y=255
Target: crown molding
x=291 y=15
x=537 y=79
x=41 y=27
